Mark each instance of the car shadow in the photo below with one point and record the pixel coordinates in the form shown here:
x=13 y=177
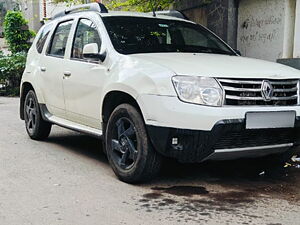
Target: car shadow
x=248 y=178
x=79 y=143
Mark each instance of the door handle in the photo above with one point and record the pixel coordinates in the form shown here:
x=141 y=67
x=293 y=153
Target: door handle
x=43 y=69
x=67 y=73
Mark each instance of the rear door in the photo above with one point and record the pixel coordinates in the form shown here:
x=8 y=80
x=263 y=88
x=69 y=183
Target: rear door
x=51 y=67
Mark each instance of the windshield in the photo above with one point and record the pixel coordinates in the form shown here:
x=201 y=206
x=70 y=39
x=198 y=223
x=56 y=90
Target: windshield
x=130 y=35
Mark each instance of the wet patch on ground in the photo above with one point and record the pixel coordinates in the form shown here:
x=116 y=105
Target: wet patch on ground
x=182 y=190
x=272 y=181
x=221 y=188
x=152 y=195
x=196 y=204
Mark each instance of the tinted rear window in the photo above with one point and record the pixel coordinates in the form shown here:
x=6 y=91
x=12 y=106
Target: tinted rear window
x=43 y=37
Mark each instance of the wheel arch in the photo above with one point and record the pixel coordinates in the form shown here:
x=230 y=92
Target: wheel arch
x=114 y=98
x=25 y=88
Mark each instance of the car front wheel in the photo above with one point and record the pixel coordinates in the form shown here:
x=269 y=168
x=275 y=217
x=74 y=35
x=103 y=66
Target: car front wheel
x=128 y=147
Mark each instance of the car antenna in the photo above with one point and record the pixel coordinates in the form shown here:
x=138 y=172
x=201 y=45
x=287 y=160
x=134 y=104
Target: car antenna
x=153 y=8
x=154 y=13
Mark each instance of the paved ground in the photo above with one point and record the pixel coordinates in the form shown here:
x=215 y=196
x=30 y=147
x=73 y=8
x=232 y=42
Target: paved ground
x=66 y=180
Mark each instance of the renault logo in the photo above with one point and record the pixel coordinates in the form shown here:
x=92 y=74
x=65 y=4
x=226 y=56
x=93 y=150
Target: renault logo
x=267 y=90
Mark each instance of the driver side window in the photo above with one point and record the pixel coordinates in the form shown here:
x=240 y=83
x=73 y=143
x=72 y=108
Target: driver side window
x=86 y=33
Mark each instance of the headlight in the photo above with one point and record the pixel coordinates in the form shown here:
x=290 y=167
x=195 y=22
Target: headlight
x=198 y=90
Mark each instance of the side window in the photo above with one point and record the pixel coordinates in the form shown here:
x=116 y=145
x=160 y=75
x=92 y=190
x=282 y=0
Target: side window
x=43 y=37
x=59 y=39
x=86 y=33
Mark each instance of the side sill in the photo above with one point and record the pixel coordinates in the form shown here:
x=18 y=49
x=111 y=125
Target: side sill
x=47 y=116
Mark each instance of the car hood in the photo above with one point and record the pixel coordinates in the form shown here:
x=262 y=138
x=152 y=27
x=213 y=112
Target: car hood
x=216 y=65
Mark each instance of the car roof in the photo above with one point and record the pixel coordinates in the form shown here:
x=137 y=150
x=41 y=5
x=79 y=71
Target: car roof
x=150 y=15
x=96 y=8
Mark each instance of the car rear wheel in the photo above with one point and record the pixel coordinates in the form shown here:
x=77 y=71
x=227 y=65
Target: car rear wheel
x=128 y=147
x=36 y=127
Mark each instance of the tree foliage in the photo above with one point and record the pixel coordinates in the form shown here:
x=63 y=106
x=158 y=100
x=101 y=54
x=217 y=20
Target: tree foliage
x=129 y=5
x=16 y=32
x=11 y=70
x=70 y=2
x=140 y=5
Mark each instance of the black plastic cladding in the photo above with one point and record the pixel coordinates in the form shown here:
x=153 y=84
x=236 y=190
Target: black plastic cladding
x=196 y=145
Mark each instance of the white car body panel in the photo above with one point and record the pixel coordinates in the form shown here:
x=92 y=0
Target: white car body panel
x=174 y=113
x=220 y=66
x=52 y=85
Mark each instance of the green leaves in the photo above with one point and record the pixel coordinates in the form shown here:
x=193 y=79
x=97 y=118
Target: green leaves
x=129 y=5
x=140 y=5
x=17 y=36
x=11 y=70
x=70 y=2
x=16 y=32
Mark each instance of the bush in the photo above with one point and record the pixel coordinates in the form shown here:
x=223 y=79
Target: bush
x=16 y=32
x=11 y=70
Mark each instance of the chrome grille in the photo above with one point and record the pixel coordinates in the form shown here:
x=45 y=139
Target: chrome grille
x=249 y=92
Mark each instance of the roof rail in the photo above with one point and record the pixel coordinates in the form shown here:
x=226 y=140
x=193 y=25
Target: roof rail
x=95 y=7
x=173 y=13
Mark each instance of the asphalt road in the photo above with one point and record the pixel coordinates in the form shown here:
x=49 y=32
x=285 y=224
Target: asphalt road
x=66 y=180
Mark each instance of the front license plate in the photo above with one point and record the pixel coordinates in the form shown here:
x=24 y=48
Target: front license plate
x=264 y=120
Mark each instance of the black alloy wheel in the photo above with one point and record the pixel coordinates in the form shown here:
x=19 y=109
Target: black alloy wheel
x=36 y=127
x=124 y=144
x=128 y=147
x=30 y=114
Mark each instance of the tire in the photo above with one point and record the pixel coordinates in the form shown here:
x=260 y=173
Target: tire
x=36 y=127
x=128 y=147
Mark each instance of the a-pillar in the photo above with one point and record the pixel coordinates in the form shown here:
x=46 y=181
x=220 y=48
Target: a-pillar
x=220 y=16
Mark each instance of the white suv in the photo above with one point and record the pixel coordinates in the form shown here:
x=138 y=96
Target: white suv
x=155 y=86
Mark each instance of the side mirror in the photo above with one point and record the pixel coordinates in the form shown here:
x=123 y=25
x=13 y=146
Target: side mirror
x=90 y=51
x=238 y=52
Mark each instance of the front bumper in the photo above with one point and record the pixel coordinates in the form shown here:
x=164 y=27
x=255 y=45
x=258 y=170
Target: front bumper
x=169 y=111
x=228 y=139
x=195 y=133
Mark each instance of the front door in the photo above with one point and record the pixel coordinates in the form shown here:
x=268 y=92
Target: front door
x=84 y=80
